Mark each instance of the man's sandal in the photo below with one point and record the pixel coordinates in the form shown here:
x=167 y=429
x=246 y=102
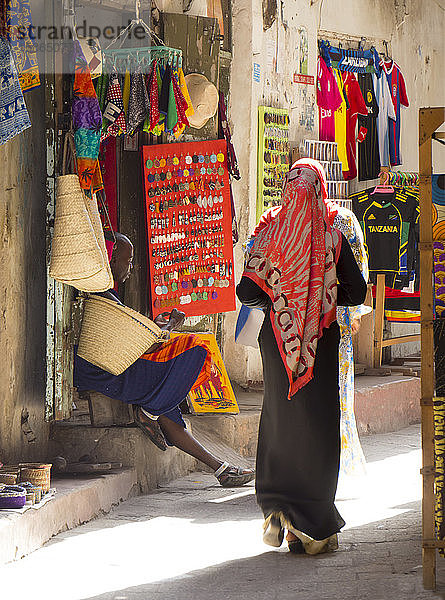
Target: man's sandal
x=150 y=427
x=233 y=476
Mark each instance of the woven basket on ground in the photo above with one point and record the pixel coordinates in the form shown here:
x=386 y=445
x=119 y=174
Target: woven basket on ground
x=8 y=478
x=38 y=474
x=113 y=336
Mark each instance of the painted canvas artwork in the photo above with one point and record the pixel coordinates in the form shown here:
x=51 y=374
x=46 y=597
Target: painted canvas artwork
x=216 y=394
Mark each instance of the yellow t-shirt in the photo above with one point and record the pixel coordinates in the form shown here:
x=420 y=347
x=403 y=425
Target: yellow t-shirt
x=340 y=125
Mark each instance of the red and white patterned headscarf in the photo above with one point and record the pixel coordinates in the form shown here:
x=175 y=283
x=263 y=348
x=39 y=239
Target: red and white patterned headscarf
x=293 y=260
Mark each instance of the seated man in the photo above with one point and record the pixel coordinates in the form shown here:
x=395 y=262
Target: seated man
x=159 y=381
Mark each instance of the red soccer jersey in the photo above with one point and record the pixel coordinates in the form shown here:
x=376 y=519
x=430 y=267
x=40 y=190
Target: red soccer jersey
x=328 y=100
x=356 y=106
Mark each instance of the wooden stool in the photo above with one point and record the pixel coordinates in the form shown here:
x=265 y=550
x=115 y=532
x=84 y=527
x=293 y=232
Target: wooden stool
x=105 y=411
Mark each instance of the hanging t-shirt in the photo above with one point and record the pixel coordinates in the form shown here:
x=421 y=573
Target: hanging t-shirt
x=386 y=112
x=399 y=97
x=328 y=100
x=340 y=124
x=390 y=228
x=368 y=149
x=356 y=106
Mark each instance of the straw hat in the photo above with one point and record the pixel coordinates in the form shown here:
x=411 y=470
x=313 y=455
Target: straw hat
x=204 y=97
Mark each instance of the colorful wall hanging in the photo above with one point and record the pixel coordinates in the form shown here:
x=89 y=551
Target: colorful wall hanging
x=19 y=25
x=14 y=117
x=273 y=155
x=189 y=228
x=87 y=124
x=216 y=394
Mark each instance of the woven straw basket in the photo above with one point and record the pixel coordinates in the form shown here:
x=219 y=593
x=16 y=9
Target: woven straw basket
x=78 y=252
x=113 y=336
x=8 y=478
x=36 y=473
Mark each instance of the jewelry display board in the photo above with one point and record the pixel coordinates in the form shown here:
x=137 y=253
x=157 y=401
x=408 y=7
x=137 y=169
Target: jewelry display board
x=273 y=155
x=189 y=228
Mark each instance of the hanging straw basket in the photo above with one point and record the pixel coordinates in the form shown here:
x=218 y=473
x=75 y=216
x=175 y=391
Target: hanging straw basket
x=36 y=473
x=113 y=336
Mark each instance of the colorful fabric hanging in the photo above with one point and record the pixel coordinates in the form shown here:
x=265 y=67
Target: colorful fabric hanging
x=184 y=90
x=126 y=91
x=232 y=163
x=87 y=123
x=181 y=102
x=138 y=105
x=184 y=104
x=14 y=116
x=108 y=166
x=114 y=109
x=164 y=93
x=19 y=24
x=86 y=113
x=172 y=112
x=101 y=90
x=153 y=96
x=224 y=132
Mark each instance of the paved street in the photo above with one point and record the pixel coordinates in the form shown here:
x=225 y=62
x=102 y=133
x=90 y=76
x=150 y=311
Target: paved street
x=192 y=540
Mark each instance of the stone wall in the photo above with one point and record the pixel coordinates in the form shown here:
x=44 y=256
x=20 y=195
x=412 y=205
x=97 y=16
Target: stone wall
x=23 y=289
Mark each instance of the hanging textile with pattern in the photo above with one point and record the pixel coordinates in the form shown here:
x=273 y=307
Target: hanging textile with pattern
x=14 y=116
x=19 y=25
x=87 y=124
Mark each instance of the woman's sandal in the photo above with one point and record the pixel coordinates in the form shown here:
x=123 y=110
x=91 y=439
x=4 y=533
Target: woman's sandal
x=150 y=427
x=273 y=533
x=233 y=476
x=296 y=545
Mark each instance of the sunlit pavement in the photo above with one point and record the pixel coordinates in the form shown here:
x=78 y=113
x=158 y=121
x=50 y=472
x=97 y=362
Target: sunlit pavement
x=193 y=540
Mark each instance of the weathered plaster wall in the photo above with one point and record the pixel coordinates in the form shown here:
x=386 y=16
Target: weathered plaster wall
x=22 y=288
x=414 y=31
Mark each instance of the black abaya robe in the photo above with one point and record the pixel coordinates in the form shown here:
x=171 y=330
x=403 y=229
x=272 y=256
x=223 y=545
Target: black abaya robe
x=299 y=439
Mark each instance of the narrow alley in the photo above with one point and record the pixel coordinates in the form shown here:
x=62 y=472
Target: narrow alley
x=193 y=540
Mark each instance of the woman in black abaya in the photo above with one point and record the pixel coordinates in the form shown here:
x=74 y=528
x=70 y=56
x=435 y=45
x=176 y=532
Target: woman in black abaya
x=297 y=270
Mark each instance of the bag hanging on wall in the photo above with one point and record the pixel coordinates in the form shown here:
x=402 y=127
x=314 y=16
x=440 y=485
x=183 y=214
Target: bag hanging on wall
x=78 y=253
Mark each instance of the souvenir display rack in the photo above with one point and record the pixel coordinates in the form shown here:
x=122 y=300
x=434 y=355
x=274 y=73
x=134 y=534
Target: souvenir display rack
x=189 y=228
x=326 y=154
x=273 y=155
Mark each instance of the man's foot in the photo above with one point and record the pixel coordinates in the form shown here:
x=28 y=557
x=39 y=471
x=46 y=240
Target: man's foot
x=233 y=476
x=150 y=427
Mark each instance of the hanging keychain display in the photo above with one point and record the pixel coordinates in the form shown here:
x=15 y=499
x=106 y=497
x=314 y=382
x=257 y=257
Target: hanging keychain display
x=189 y=227
x=273 y=155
